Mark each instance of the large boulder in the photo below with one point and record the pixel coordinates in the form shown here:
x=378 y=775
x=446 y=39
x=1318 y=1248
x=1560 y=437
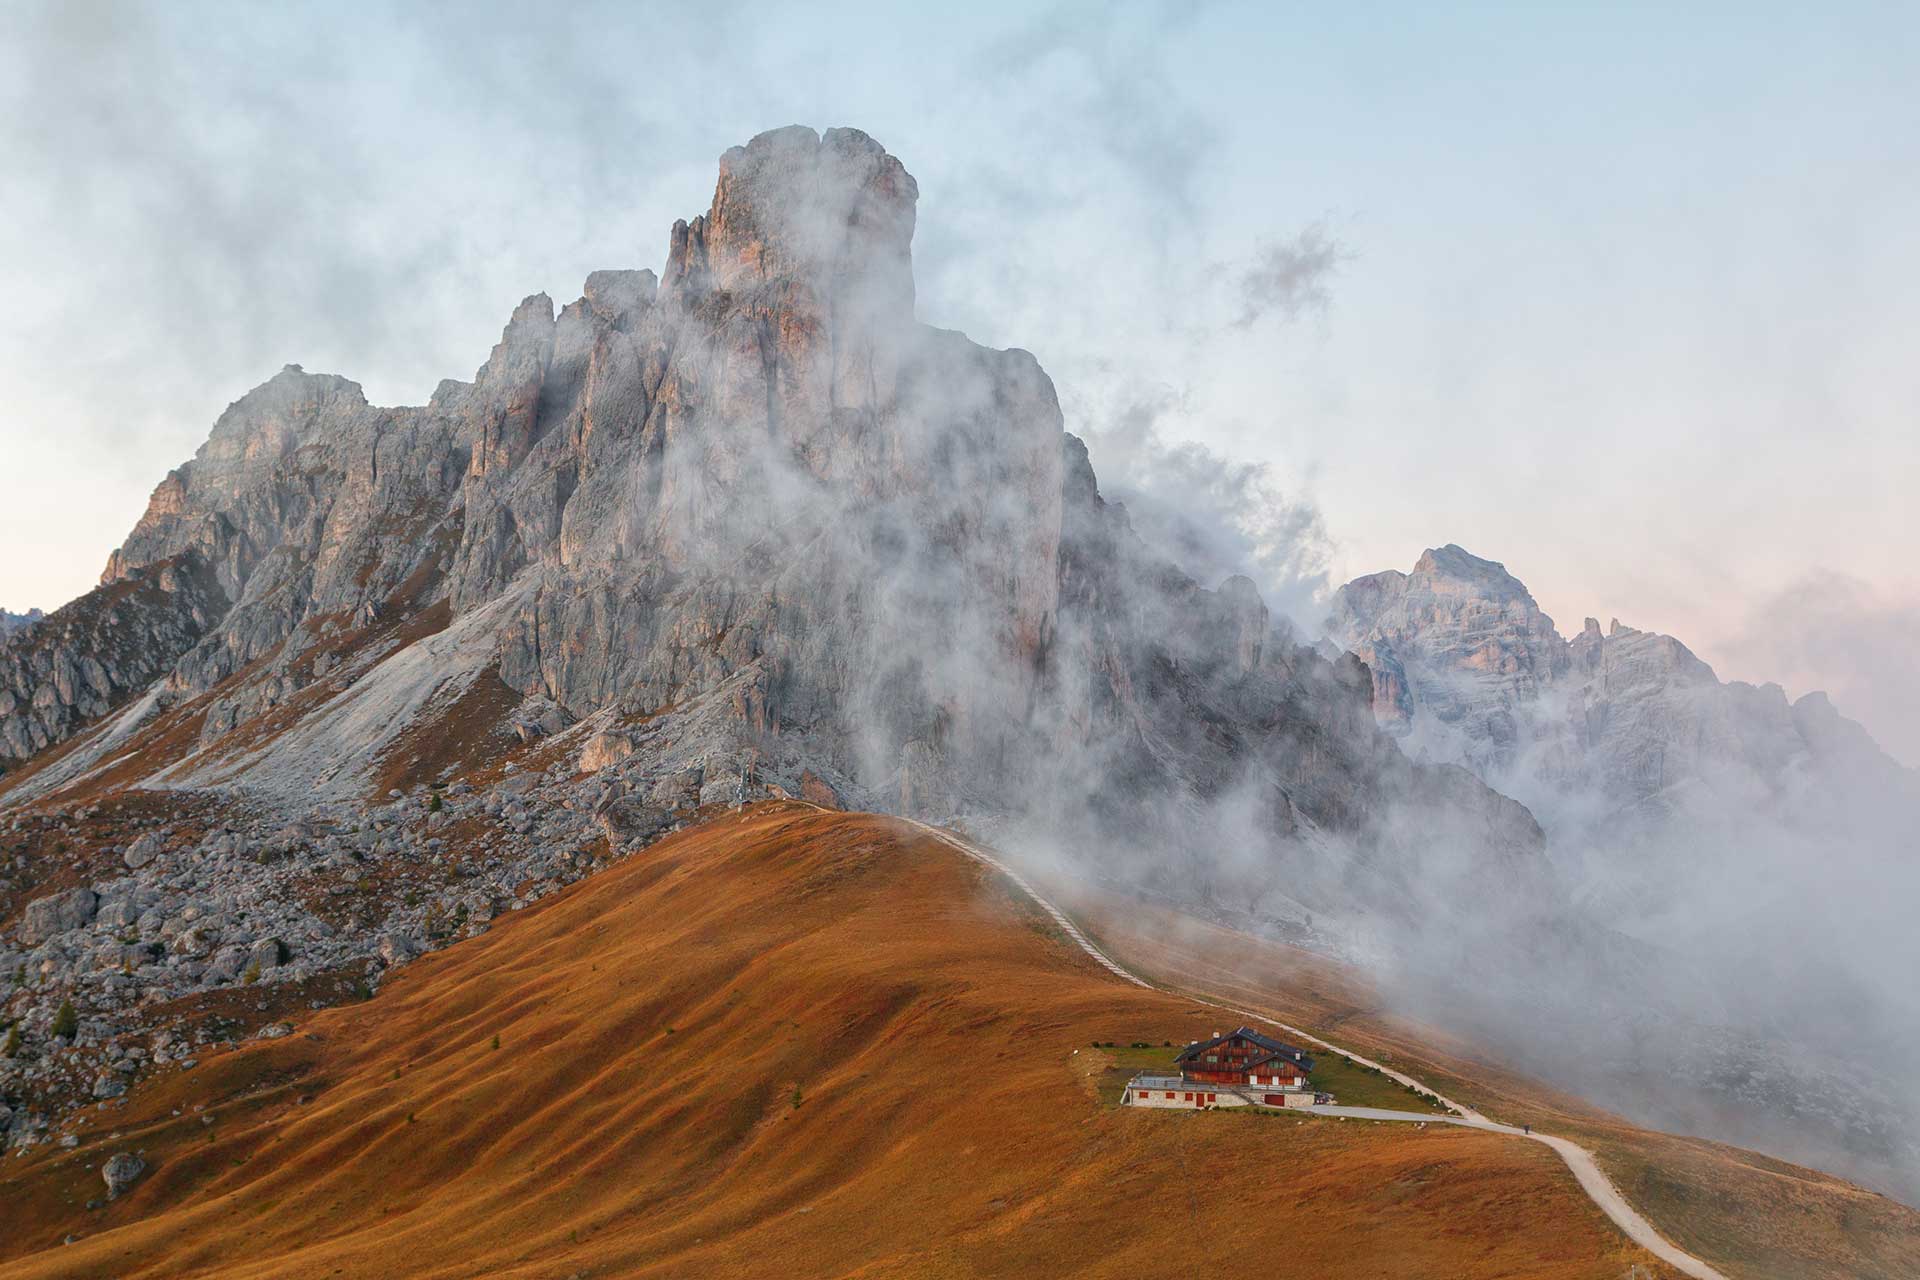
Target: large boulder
x=143 y=850
x=56 y=913
x=121 y=1172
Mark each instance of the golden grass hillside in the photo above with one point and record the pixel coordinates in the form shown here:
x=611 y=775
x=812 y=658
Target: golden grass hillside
x=783 y=1043
x=1753 y=1217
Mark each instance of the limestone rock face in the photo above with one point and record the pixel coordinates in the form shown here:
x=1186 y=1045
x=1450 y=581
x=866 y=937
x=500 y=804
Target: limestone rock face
x=754 y=491
x=93 y=655
x=1459 y=640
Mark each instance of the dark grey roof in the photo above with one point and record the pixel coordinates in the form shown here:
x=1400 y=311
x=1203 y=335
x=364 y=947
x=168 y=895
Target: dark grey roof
x=1272 y=1046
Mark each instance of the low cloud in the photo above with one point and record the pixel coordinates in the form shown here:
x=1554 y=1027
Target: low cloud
x=1834 y=632
x=1211 y=515
x=1290 y=278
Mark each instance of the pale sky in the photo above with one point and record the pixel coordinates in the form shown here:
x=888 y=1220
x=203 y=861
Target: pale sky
x=1625 y=301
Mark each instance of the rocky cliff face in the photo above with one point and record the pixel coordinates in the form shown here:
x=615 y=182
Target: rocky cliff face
x=862 y=548
x=93 y=655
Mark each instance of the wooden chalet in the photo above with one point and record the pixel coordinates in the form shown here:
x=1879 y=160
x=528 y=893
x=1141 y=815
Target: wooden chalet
x=1245 y=1057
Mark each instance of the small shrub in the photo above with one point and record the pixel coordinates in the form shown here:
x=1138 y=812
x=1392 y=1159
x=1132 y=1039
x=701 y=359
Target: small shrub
x=496 y=1039
x=796 y=1097
x=252 y=975
x=66 y=1022
x=13 y=1042
x=435 y=805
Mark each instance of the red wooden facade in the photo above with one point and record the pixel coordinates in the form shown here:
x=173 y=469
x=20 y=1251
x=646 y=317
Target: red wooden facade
x=1242 y=1057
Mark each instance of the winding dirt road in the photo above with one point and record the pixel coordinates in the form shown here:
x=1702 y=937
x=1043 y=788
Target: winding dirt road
x=1585 y=1171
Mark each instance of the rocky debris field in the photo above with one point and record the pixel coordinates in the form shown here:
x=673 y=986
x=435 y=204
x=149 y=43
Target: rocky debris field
x=151 y=928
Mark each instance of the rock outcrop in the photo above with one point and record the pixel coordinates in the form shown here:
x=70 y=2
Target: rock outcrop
x=12 y=622
x=93 y=655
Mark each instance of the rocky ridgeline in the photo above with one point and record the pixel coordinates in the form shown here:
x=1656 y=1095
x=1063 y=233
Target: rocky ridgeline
x=12 y=622
x=93 y=655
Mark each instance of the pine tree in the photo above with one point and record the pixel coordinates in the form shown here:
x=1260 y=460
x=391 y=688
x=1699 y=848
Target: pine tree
x=66 y=1022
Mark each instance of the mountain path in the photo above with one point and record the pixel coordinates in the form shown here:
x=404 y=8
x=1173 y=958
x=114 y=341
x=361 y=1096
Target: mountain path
x=1586 y=1171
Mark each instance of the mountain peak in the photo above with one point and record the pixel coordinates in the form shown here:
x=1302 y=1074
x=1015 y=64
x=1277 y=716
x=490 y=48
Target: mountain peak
x=833 y=213
x=1456 y=564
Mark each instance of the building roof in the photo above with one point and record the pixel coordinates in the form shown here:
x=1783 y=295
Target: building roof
x=1274 y=1048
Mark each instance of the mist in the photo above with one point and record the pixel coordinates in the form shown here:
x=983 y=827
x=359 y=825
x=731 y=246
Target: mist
x=1275 y=372
x=1727 y=952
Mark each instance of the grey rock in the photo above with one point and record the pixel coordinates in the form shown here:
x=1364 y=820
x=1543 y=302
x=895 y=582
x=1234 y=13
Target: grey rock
x=396 y=949
x=227 y=965
x=143 y=850
x=121 y=1172
x=266 y=954
x=56 y=913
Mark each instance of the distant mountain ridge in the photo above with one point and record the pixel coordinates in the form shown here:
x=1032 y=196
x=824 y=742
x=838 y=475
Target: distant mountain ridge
x=1466 y=668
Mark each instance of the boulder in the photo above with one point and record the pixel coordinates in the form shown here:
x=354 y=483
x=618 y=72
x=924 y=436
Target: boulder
x=267 y=953
x=143 y=851
x=56 y=913
x=121 y=1172
x=227 y=965
x=604 y=749
x=537 y=718
x=396 y=949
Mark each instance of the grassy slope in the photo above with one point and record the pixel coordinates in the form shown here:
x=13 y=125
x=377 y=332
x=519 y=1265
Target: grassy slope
x=656 y=1026
x=1754 y=1217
